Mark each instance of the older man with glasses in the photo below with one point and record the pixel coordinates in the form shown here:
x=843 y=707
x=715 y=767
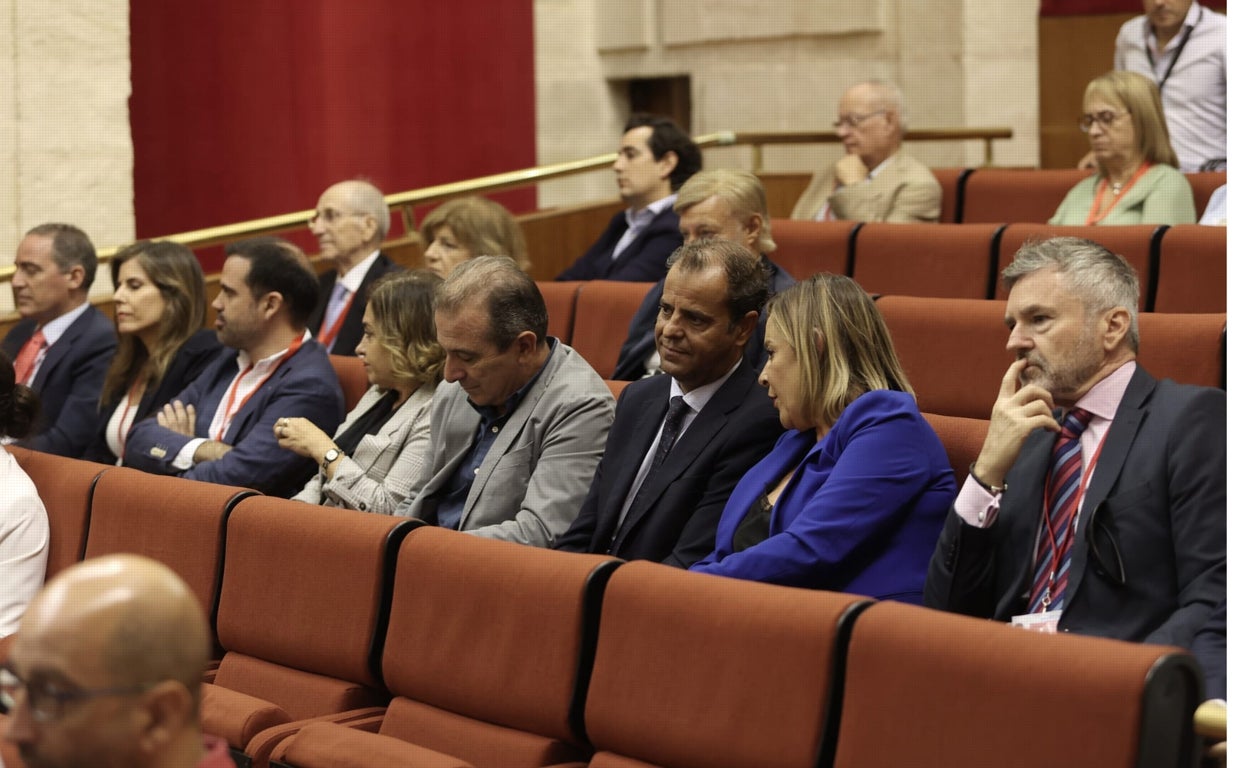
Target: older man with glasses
x=874 y=180
x=107 y=670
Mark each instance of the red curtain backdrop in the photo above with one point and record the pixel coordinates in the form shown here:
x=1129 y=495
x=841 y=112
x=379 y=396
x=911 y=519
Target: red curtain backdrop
x=1092 y=7
x=243 y=109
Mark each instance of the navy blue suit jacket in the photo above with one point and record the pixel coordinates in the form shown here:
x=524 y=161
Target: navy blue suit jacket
x=675 y=521
x=305 y=385
x=1159 y=493
x=187 y=365
x=862 y=510
x=68 y=382
x=639 y=345
x=351 y=332
x=643 y=261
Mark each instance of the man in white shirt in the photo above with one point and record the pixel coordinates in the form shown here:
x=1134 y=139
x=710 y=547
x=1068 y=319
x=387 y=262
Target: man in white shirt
x=63 y=345
x=1182 y=47
x=874 y=180
x=654 y=159
x=222 y=428
x=350 y=222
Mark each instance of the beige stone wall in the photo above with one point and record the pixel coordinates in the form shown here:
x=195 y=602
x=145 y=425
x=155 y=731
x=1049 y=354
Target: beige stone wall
x=65 y=144
x=781 y=66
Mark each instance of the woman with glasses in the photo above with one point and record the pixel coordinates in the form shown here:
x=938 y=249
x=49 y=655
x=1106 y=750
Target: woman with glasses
x=370 y=463
x=161 y=306
x=853 y=496
x=1137 y=181
x=23 y=519
x=466 y=227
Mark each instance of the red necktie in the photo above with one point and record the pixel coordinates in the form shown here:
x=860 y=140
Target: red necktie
x=1055 y=546
x=23 y=366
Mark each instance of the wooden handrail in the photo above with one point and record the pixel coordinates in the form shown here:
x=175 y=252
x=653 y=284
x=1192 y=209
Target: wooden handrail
x=405 y=202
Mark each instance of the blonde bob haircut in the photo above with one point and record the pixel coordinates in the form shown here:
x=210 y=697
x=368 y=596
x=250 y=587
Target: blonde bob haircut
x=1139 y=95
x=484 y=228
x=842 y=345
x=741 y=190
x=402 y=306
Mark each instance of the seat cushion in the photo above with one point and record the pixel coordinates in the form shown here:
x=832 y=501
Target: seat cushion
x=236 y=717
x=327 y=745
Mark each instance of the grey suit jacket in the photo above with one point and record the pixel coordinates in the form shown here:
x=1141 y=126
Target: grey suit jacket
x=536 y=475
x=380 y=473
x=905 y=191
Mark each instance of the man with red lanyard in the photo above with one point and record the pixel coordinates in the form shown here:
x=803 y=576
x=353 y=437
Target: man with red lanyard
x=350 y=223
x=221 y=428
x=107 y=670
x=1097 y=504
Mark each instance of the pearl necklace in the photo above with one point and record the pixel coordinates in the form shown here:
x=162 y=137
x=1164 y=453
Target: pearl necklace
x=1116 y=186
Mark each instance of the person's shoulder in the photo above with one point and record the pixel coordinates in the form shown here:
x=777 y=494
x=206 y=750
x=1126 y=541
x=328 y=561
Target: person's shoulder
x=95 y=322
x=879 y=406
x=576 y=373
x=911 y=166
x=202 y=342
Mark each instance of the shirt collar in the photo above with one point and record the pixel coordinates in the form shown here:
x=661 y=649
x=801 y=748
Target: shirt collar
x=1191 y=19
x=54 y=329
x=243 y=357
x=1102 y=400
x=633 y=215
x=879 y=168
x=700 y=396
x=353 y=278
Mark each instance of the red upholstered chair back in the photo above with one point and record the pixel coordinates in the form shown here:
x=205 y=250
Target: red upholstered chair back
x=178 y=522
x=952 y=180
x=695 y=671
x=616 y=387
x=1203 y=185
x=930 y=688
x=352 y=376
x=489 y=647
x=1135 y=243
x=1192 y=270
x=997 y=195
x=65 y=486
x=945 y=260
x=805 y=248
x=953 y=351
x=561 y=301
x=962 y=437
x=1187 y=348
x=607 y=308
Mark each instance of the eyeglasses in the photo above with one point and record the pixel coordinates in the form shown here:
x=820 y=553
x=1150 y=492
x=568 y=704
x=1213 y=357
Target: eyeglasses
x=854 y=120
x=1105 y=117
x=1104 y=554
x=47 y=700
x=330 y=216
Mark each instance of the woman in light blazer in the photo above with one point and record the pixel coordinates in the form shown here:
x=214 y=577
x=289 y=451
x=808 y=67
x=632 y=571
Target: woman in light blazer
x=370 y=463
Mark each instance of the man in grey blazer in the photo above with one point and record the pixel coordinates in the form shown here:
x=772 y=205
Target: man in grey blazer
x=1139 y=551
x=519 y=422
x=874 y=180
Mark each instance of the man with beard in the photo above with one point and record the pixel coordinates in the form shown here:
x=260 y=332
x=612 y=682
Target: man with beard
x=222 y=428
x=1097 y=503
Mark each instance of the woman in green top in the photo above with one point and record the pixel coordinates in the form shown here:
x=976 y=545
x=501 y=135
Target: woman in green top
x=1137 y=181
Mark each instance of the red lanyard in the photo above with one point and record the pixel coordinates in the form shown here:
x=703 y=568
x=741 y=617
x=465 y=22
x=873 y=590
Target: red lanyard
x=326 y=338
x=229 y=409
x=1056 y=553
x=1094 y=217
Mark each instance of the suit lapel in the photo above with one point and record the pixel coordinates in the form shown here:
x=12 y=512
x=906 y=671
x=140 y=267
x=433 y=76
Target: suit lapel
x=58 y=351
x=637 y=444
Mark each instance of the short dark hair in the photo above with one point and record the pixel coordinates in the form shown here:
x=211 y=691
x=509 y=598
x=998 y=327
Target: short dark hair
x=666 y=136
x=512 y=300
x=748 y=279
x=70 y=248
x=278 y=265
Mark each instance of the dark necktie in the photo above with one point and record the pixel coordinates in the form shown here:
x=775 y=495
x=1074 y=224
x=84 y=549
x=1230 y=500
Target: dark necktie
x=1050 y=580
x=676 y=412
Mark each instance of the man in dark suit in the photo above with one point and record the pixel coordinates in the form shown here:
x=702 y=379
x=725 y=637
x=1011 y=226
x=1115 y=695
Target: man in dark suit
x=727 y=204
x=654 y=159
x=1133 y=484
x=222 y=428
x=62 y=346
x=350 y=222
x=681 y=442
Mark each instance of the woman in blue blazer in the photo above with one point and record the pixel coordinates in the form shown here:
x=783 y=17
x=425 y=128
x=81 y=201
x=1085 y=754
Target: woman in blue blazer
x=853 y=497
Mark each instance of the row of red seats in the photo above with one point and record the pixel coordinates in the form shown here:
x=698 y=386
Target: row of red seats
x=995 y=195
x=350 y=639
x=1181 y=268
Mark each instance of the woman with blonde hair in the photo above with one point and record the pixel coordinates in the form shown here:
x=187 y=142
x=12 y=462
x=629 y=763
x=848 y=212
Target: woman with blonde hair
x=853 y=497
x=1137 y=181
x=466 y=227
x=370 y=463
x=160 y=304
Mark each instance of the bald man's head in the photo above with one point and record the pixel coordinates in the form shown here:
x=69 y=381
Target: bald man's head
x=350 y=222
x=128 y=639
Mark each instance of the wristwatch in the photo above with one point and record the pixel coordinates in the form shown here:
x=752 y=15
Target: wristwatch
x=331 y=455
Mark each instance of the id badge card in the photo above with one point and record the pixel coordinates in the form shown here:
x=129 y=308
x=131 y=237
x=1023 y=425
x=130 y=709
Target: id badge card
x=1045 y=621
